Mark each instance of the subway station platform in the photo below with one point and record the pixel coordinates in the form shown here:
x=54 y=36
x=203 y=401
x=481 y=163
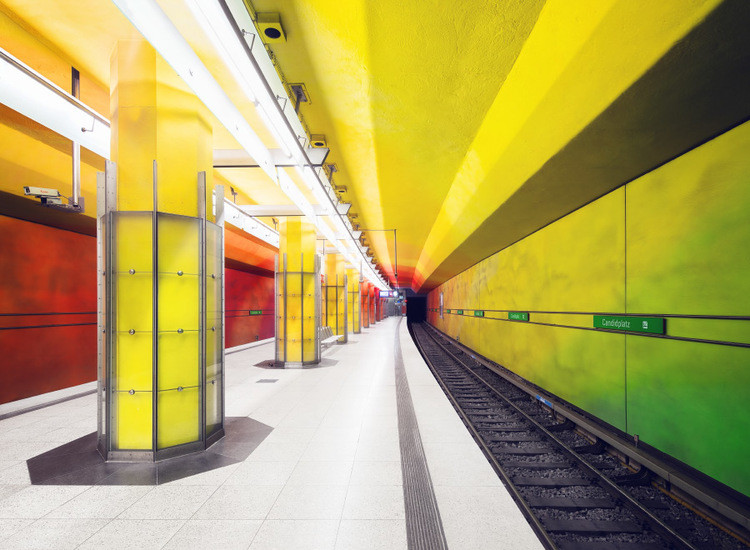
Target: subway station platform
x=361 y=451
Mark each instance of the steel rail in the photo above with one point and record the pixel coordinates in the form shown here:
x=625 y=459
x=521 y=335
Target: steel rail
x=641 y=511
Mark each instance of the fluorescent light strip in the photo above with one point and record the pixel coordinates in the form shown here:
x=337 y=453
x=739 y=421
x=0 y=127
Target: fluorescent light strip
x=156 y=27
x=215 y=21
x=26 y=91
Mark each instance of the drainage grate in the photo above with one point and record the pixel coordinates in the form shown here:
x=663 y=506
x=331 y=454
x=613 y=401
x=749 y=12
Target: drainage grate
x=424 y=529
x=267 y=380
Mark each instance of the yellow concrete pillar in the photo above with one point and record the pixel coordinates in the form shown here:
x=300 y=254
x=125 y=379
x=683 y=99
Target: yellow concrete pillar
x=164 y=276
x=297 y=294
x=334 y=297
x=353 y=308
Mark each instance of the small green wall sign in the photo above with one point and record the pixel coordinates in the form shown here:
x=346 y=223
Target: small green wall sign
x=653 y=325
x=460 y=311
x=518 y=315
x=478 y=313
x=447 y=310
x=256 y=312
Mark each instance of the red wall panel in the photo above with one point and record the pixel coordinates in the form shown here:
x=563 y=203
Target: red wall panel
x=245 y=292
x=48 y=280
x=45 y=271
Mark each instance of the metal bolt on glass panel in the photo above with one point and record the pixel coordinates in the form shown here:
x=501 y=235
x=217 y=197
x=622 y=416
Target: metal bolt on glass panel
x=161 y=313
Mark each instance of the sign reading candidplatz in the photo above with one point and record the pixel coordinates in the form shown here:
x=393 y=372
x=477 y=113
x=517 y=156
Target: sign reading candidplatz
x=653 y=325
x=518 y=315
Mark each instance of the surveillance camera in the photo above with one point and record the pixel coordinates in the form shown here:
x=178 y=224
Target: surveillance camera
x=40 y=192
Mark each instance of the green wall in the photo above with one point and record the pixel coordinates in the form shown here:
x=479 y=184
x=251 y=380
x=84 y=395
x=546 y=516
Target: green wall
x=676 y=241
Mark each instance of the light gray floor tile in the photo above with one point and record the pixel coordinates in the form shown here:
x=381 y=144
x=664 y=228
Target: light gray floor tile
x=100 y=502
x=278 y=451
x=356 y=534
x=10 y=526
x=374 y=502
x=330 y=450
x=382 y=472
x=309 y=502
x=17 y=474
x=169 y=502
x=59 y=534
x=213 y=478
x=7 y=490
x=385 y=450
x=475 y=502
x=321 y=473
x=36 y=501
x=261 y=473
x=496 y=532
x=239 y=502
x=133 y=534
x=296 y=534
x=222 y=534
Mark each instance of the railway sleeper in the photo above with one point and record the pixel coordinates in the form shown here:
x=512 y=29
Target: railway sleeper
x=567 y=503
x=608 y=545
x=590 y=526
x=536 y=481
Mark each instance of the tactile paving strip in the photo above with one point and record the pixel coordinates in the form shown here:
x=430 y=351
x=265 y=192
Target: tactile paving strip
x=424 y=529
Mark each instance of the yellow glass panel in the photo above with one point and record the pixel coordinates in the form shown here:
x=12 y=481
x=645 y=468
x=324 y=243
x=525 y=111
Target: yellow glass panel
x=179 y=244
x=179 y=360
x=178 y=417
x=133 y=302
x=133 y=361
x=179 y=298
x=132 y=249
x=133 y=421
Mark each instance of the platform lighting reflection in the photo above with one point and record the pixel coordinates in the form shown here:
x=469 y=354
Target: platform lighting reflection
x=214 y=21
x=158 y=29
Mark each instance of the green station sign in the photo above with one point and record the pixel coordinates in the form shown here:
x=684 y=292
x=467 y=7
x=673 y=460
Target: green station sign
x=447 y=310
x=478 y=313
x=459 y=311
x=518 y=315
x=653 y=325
x=256 y=312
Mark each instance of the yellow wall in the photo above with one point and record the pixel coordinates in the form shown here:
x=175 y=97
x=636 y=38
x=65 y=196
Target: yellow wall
x=673 y=242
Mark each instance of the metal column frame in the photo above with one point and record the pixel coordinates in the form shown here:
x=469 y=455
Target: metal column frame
x=346 y=310
x=219 y=220
x=155 y=313
x=318 y=308
x=276 y=306
x=302 y=307
x=202 y=305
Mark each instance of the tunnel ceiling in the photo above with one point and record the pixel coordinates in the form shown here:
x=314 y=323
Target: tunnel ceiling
x=467 y=126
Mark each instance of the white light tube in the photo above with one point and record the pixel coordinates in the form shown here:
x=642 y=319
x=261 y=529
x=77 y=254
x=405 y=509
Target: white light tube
x=156 y=27
x=26 y=91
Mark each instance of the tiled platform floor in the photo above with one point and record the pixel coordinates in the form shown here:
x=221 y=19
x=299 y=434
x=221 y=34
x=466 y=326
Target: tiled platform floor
x=327 y=476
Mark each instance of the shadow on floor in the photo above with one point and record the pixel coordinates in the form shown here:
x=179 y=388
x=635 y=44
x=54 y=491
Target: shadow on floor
x=79 y=462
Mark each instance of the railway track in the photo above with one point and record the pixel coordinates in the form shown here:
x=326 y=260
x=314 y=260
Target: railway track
x=575 y=496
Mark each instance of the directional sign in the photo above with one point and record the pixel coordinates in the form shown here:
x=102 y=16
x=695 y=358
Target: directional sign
x=478 y=313
x=518 y=315
x=653 y=325
x=460 y=311
x=256 y=312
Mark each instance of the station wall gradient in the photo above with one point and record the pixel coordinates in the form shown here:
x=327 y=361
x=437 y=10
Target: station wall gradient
x=245 y=293
x=48 y=280
x=674 y=243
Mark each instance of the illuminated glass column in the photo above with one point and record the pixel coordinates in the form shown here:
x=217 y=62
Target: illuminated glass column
x=365 y=286
x=334 y=296
x=161 y=277
x=353 y=310
x=371 y=302
x=297 y=294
